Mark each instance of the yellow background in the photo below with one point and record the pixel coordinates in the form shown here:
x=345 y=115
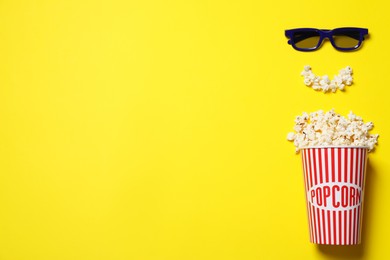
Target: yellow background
x=157 y=129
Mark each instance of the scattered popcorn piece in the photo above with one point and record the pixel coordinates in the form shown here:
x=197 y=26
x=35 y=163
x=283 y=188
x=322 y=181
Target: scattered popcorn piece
x=307 y=82
x=327 y=129
x=291 y=136
x=324 y=83
x=307 y=68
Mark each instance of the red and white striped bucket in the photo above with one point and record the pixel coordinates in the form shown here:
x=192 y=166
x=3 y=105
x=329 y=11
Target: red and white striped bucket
x=334 y=186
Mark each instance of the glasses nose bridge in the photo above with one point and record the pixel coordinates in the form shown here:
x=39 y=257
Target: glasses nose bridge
x=327 y=34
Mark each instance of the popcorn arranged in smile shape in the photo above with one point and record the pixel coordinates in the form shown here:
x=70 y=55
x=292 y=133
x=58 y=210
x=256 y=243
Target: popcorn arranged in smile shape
x=331 y=129
x=324 y=83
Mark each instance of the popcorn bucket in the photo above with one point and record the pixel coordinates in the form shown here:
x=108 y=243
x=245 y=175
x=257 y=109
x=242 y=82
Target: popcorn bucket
x=334 y=186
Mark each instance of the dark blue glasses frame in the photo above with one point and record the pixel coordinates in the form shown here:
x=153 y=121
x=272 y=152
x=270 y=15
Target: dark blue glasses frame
x=353 y=38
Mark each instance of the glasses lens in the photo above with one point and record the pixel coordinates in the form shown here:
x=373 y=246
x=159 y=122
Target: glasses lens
x=346 y=38
x=306 y=39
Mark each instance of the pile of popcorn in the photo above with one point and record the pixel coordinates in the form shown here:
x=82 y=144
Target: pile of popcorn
x=324 y=83
x=331 y=129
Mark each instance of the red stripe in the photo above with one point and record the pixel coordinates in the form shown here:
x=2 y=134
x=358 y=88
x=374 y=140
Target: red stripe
x=319 y=164
x=348 y=179
x=333 y=165
x=316 y=181
x=333 y=180
x=306 y=189
x=359 y=157
x=311 y=208
x=360 y=185
x=340 y=231
x=321 y=212
x=309 y=172
x=327 y=178
x=352 y=157
x=315 y=225
x=345 y=227
x=323 y=226
x=360 y=166
x=329 y=230
x=326 y=166
x=350 y=227
x=315 y=166
x=356 y=166
x=354 y=226
x=310 y=165
x=304 y=164
x=319 y=225
x=306 y=169
x=360 y=209
x=334 y=228
x=311 y=225
x=357 y=170
x=363 y=168
x=358 y=225
x=339 y=179
x=313 y=177
x=346 y=165
x=339 y=163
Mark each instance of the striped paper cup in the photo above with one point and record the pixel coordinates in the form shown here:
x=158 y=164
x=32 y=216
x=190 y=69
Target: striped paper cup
x=334 y=184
